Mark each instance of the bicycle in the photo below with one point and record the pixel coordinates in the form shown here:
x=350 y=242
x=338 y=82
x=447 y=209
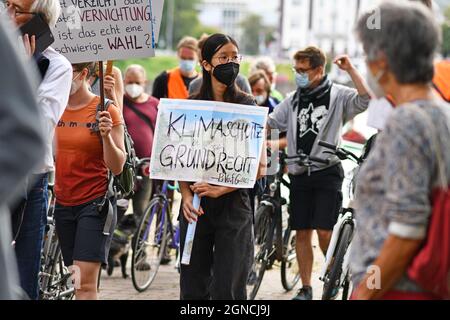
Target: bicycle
x=154 y=236
x=55 y=279
x=336 y=272
x=268 y=224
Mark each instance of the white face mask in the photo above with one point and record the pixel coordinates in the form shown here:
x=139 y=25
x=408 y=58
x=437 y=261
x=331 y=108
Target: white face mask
x=76 y=85
x=134 y=90
x=373 y=83
x=260 y=99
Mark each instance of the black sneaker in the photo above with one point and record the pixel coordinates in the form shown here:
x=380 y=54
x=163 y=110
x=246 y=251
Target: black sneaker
x=166 y=260
x=143 y=266
x=304 y=293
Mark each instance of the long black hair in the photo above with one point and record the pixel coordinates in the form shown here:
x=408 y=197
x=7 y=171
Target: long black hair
x=232 y=94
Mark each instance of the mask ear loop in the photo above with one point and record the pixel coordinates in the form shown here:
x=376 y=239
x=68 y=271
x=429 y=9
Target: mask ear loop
x=76 y=77
x=380 y=75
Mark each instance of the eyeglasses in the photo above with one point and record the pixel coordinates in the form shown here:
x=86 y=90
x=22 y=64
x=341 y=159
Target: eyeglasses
x=224 y=59
x=12 y=9
x=299 y=70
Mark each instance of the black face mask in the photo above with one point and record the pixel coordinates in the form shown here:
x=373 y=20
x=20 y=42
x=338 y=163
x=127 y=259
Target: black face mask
x=226 y=73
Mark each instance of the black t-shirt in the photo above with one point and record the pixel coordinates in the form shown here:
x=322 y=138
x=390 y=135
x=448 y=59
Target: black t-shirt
x=312 y=112
x=160 y=86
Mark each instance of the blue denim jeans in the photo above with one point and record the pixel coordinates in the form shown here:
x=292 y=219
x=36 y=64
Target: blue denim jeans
x=30 y=238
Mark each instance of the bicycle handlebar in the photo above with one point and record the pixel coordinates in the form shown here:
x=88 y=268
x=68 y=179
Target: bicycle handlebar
x=140 y=162
x=319 y=160
x=328 y=145
x=341 y=153
x=174 y=187
x=305 y=160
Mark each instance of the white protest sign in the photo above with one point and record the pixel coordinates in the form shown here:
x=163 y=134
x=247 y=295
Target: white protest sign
x=100 y=30
x=214 y=142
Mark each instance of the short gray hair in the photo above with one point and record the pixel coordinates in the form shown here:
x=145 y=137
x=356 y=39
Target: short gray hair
x=408 y=37
x=136 y=68
x=50 y=9
x=263 y=63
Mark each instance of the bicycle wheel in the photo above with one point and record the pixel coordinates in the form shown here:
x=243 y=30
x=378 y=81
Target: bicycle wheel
x=264 y=230
x=58 y=278
x=289 y=266
x=333 y=275
x=62 y=280
x=149 y=241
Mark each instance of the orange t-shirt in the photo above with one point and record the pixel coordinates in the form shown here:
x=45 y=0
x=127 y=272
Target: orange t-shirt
x=81 y=172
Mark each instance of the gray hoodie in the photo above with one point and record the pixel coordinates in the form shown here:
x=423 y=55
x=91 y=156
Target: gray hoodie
x=345 y=104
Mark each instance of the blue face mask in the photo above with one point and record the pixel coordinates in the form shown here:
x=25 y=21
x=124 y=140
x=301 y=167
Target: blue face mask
x=302 y=80
x=187 y=66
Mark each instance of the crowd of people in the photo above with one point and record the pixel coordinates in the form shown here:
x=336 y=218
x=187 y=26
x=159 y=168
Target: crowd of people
x=53 y=120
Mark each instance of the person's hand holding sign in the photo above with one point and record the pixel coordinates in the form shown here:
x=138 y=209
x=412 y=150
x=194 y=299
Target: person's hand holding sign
x=204 y=189
x=189 y=212
x=110 y=87
x=105 y=124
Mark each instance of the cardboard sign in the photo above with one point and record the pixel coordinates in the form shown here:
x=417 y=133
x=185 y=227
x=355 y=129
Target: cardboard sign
x=100 y=30
x=219 y=143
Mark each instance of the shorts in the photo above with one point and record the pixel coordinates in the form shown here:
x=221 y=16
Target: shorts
x=316 y=200
x=80 y=232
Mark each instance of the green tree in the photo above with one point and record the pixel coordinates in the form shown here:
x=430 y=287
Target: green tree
x=251 y=28
x=255 y=33
x=185 y=21
x=182 y=16
x=446 y=34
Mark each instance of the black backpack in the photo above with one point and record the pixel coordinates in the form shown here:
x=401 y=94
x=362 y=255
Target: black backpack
x=126 y=181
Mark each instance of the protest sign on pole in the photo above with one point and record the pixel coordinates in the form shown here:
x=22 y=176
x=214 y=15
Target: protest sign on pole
x=214 y=142
x=218 y=143
x=100 y=30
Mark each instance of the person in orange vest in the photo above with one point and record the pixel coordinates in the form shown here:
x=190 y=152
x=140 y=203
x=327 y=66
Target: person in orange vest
x=441 y=80
x=174 y=84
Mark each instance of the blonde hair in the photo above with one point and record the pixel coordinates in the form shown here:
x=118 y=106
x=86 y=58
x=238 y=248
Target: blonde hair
x=188 y=42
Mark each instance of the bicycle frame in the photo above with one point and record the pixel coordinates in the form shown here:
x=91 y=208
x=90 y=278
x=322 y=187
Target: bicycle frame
x=346 y=217
x=163 y=196
x=175 y=236
x=48 y=256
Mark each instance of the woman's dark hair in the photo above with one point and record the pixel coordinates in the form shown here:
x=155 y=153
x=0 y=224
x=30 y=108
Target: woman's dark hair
x=232 y=94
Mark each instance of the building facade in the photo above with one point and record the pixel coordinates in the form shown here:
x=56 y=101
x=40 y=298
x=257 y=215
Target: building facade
x=225 y=15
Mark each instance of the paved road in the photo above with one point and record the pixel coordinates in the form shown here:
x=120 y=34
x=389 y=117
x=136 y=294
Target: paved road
x=166 y=285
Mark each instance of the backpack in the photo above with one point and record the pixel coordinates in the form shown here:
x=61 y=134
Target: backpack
x=430 y=268
x=126 y=181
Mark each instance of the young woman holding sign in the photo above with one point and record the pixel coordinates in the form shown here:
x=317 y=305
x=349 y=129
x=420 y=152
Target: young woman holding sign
x=89 y=143
x=222 y=251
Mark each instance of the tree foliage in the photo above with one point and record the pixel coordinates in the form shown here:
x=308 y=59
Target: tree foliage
x=256 y=34
x=185 y=21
